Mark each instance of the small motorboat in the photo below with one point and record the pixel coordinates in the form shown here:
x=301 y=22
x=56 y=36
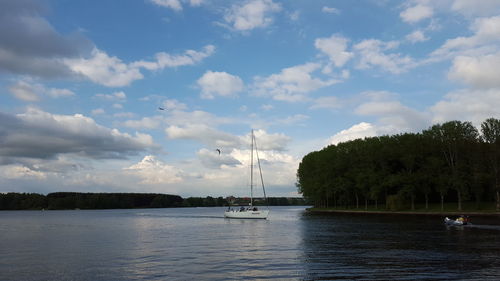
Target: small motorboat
x=462 y=220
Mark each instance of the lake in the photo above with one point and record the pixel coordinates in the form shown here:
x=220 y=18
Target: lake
x=199 y=244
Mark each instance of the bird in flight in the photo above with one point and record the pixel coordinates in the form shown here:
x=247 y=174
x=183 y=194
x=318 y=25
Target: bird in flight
x=161 y=108
x=218 y=150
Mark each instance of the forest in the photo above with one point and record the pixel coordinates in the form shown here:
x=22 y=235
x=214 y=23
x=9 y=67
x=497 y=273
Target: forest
x=78 y=200
x=449 y=163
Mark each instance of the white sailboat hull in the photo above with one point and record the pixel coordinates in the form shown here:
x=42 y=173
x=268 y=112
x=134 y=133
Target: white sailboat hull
x=246 y=214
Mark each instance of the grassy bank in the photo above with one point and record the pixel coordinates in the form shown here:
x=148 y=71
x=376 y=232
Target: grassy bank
x=450 y=209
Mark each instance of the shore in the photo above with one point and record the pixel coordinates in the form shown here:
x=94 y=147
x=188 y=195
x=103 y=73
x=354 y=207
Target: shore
x=425 y=213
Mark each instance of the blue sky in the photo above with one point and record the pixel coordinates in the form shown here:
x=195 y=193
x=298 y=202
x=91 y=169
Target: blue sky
x=81 y=83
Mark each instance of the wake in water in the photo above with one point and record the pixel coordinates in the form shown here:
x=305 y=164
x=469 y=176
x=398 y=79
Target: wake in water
x=476 y=226
x=483 y=226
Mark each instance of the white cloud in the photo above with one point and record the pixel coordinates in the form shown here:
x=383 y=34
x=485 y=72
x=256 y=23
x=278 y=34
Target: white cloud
x=377 y=96
x=416 y=36
x=214 y=138
x=41 y=135
x=105 y=70
x=17 y=171
x=467 y=105
x=393 y=117
x=114 y=97
x=25 y=91
x=196 y=3
x=267 y=107
x=176 y=5
x=252 y=14
x=173 y=104
x=29 y=91
x=486 y=31
x=203 y=134
x=476 y=8
x=219 y=84
x=292 y=84
x=330 y=10
x=295 y=120
x=153 y=171
x=58 y=93
x=165 y=60
x=416 y=13
x=212 y=158
x=144 y=123
x=266 y=141
x=335 y=48
x=294 y=16
x=124 y=115
x=97 y=111
x=172 y=4
x=479 y=72
x=357 y=131
x=326 y=102
x=197 y=117
x=109 y=71
x=278 y=170
x=371 y=53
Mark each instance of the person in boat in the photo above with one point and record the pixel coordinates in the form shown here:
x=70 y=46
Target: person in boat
x=242 y=209
x=463 y=219
x=254 y=209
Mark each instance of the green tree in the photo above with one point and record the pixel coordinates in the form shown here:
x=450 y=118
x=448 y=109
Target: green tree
x=490 y=130
x=454 y=139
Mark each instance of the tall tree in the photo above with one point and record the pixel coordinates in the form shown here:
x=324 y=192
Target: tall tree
x=490 y=130
x=454 y=139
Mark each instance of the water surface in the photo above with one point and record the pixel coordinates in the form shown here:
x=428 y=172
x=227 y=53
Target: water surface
x=199 y=244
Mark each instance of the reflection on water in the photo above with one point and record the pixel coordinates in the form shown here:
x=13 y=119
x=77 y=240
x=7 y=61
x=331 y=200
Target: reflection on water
x=397 y=247
x=199 y=244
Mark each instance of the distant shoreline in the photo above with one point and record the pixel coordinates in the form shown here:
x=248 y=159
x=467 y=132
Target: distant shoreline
x=430 y=213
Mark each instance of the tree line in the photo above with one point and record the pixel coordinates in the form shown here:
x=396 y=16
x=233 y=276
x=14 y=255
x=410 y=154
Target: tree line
x=448 y=162
x=77 y=200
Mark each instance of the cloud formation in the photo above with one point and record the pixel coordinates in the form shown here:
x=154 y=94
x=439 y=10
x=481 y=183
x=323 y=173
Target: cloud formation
x=292 y=84
x=416 y=36
x=109 y=71
x=475 y=105
x=223 y=84
x=176 y=5
x=335 y=47
x=41 y=135
x=478 y=72
x=155 y=172
x=251 y=14
x=30 y=91
x=330 y=10
x=204 y=134
x=416 y=13
x=372 y=53
x=212 y=159
x=476 y=8
x=30 y=44
x=357 y=131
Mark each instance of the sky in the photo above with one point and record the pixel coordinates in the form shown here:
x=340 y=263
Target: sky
x=82 y=83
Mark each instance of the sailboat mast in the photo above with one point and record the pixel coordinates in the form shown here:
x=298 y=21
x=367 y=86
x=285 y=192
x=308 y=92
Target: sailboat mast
x=260 y=173
x=251 y=170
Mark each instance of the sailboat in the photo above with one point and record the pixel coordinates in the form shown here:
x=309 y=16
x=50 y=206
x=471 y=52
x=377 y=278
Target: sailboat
x=250 y=212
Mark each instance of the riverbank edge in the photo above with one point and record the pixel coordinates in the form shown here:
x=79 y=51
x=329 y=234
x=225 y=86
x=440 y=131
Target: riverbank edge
x=433 y=213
